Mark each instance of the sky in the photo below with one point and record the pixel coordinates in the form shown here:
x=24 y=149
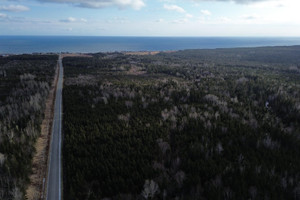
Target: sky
x=257 y=18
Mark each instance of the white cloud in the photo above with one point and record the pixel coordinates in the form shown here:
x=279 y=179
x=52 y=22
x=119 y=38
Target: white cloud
x=69 y=20
x=237 y=1
x=14 y=8
x=224 y=19
x=174 y=8
x=267 y=4
x=277 y=4
x=118 y=20
x=121 y=4
x=250 y=17
x=189 y=16
x=2 y=15
x=180 y=21
x=159 y=20
x=72 y=19
x=205 y=12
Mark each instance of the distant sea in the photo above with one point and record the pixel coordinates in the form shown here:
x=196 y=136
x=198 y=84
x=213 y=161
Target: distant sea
x=91 y=44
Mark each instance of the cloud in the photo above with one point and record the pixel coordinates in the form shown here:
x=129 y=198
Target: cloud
x=237 y=1
x=2 y=15
x=174 y=8
x=180 y=21
x=159 y=20
x=224 y=19
x=72 y=19
x=68 y=20
x=274 y=4
x=205 y=12
x=121 y=4
x=250 y=17
x=118 y=20
x=14 y=8
x=188 y=15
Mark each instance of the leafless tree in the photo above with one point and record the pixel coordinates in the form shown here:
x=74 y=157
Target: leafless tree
x=150 y=189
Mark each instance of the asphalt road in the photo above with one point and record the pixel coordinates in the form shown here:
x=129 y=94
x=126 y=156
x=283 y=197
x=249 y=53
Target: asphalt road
x=54 y=185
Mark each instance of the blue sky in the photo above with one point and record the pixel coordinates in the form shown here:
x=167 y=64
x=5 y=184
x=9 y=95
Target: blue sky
x=150 y=17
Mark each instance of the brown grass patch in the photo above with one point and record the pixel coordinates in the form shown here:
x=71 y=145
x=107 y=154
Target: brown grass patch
x=141 y=53
x=134 y=70
x=76 y=55
x=36 y=189
x=145 y=53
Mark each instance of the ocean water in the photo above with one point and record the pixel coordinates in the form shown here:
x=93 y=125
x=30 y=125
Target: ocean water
x=90 y=44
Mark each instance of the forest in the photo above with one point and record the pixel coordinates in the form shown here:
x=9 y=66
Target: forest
x=192 y=124
x=25 y=81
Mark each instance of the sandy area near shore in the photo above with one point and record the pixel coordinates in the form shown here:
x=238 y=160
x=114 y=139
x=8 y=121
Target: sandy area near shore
x=76 y=55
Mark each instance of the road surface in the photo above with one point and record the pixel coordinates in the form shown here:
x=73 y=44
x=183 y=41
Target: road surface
x=54 y=185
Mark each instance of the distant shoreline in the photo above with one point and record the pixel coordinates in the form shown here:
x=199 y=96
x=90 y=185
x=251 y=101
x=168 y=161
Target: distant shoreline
x=53 y=44
x=136 y=53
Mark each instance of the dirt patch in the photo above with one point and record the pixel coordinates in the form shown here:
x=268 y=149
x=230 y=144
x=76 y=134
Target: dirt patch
x=37 y=187
x=141 y=53
x=76 y=55
x=134 y=70
x=144 y=53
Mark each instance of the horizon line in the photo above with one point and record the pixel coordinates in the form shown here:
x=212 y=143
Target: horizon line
x=155 y=36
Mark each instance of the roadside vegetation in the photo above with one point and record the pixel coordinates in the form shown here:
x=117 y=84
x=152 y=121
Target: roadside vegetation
x=194 y=124
x=25 y=81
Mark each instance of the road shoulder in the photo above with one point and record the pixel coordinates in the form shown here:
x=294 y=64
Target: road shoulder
x=36 y=189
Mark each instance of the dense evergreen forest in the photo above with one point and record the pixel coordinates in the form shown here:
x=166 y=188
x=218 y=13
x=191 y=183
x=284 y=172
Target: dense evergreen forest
x=193 y=124
x=25 y=81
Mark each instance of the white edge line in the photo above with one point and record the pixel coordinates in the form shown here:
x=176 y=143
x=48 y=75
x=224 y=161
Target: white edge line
x=59 y=150
x=50 y=148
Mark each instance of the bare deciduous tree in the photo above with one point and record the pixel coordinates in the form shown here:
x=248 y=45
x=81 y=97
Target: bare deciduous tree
x=150 y=189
